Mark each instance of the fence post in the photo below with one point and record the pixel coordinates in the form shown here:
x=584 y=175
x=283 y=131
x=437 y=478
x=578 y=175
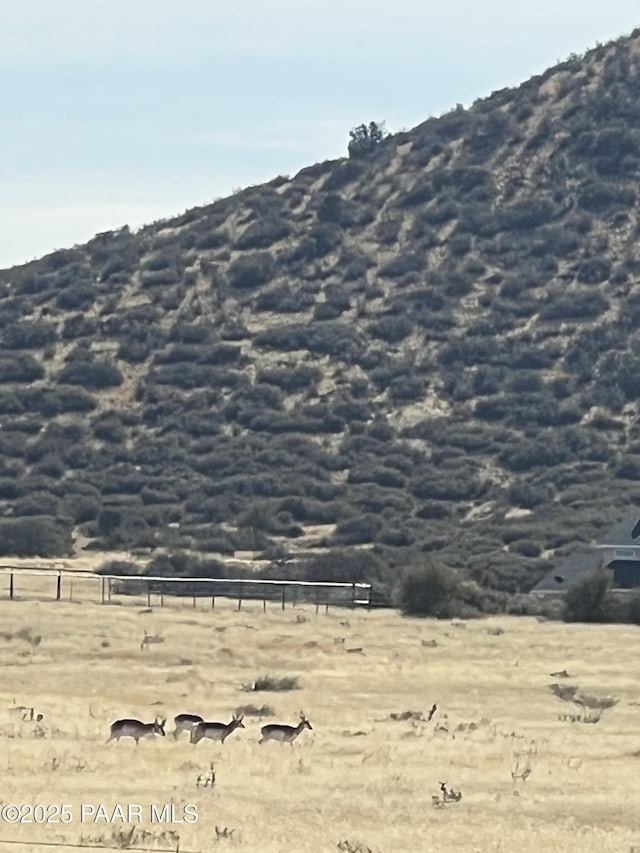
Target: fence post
x=58 y=586
x=101 y=590
x=11 y=586
x=108 y=589
x=70 y=590
x=353 y=595
x=239 y=596
x=213 y=601
x=284 y=591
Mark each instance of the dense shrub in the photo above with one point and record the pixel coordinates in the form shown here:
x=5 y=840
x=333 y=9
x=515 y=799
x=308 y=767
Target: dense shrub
x=250 y=271
x=392 y=328
x=109 y=427
x=526 y=214
x=320 y=240
x=285 y=299
x=55 y=401
x=594 y=270
x=263 y=233
x=404 y=263
x=342 y=174
x=291 y=379
x=20 y=368
x=357 y=531
x=74 y=298
x=365 y=139
x=426 y=590
x=388 y=229
x=585 y=600
x=28 y=334
x=576 y=305
x=91 y=374
x=599 y=196
x=35 y=536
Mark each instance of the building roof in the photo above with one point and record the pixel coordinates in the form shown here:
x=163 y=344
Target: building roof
x=625 y=533
x=621 y=535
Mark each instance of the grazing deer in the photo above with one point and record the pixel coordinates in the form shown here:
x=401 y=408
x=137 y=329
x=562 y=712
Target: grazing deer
x=216 y=731
x=285 y=734
x=185 y=723
x=136 y=729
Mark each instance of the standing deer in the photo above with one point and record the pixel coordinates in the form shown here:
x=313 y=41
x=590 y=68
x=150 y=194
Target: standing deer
x=285 y=734
x=185 y=723
x=136 y=729
x=216 y=731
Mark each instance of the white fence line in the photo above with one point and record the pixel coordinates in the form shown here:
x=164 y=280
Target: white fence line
x=360 y=593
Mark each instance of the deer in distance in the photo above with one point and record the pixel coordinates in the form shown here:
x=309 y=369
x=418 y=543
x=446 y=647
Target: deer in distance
x=285 y=734
x=136 y=729
x=185 y=723
x=216 y=731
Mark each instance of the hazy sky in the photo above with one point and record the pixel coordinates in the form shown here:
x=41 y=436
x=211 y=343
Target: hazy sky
x=129 y=111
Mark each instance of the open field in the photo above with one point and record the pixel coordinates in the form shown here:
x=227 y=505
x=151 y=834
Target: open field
x=359 y=776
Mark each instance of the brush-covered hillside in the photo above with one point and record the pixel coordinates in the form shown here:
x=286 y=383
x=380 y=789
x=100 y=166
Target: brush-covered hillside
x=430 y=347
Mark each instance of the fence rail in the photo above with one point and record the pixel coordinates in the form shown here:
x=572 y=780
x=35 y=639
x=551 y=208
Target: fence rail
x=107 y=588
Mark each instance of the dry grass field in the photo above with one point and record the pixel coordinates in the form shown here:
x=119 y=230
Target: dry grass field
x=360 y=779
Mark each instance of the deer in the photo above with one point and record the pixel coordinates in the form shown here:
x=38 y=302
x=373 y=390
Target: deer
x=136 y=729
x=185 y=723
x=216 y=731
x=285 y=734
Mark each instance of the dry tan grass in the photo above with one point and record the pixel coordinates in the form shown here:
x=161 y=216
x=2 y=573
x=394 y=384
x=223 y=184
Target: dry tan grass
x=359 y=776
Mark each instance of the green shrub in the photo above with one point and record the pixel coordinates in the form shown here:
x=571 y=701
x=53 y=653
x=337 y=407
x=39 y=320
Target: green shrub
x=272 y=683
x=388 y=229
x=250 y=271
x=594 y=270
x=291 y=379
x=342 y=174
x=364 y=139
x=263 y=233
x=35 y=536
x=28 y=334
x=404 y=263
x=426 y=590
x=391 y=328
x=20 y=368
x=357 y=531
x=320 y=240
x=576 y=305
x=586 y=598
x=91 y=374
x=79 y=326
x=599 y=196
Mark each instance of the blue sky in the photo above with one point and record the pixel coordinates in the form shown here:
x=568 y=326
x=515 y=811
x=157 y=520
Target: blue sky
x=135 y=110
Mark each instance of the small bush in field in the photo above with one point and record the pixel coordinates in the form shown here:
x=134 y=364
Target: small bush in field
x=269 y=682
x=585 y=600
x=426 y=590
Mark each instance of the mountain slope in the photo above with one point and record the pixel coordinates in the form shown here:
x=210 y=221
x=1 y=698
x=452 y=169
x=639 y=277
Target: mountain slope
x=432 y=348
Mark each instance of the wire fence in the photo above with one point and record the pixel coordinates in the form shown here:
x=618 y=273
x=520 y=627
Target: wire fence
x=84 y=586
